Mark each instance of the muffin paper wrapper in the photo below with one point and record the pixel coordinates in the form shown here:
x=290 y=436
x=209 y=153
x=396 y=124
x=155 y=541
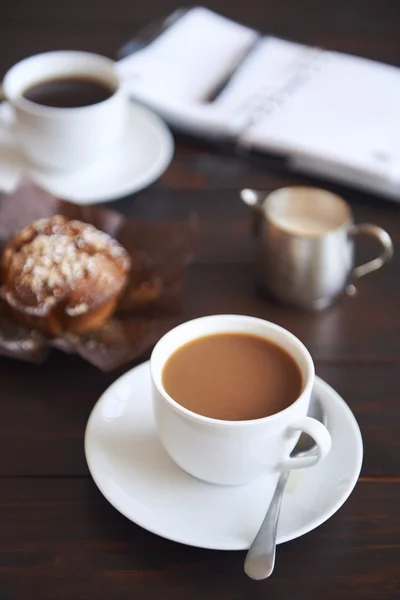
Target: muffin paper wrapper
x=152 y=300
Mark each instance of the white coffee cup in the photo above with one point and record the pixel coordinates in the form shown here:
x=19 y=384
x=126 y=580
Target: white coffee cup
x=235 y=452
x=64 y=138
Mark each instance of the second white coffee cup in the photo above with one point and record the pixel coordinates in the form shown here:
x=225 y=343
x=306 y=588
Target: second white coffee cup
x=235 y=452
x=65 y=138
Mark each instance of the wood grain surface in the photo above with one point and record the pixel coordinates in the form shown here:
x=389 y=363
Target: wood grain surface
x=59 y=538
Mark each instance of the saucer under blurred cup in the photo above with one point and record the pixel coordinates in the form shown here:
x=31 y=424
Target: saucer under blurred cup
x=306 y=245
x=65 y=138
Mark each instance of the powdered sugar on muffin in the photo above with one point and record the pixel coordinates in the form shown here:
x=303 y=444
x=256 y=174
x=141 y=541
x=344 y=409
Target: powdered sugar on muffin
x=55 y=262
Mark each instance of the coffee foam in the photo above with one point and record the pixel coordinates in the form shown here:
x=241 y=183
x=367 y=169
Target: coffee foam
x=306 y=224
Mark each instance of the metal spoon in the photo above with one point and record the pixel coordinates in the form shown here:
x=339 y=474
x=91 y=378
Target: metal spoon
x=260 y=559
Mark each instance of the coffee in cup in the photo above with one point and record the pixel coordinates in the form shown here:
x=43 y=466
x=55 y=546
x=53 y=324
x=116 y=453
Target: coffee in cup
x=232 y=376
x=68 y=107
x=214 y=429
x=69 y=92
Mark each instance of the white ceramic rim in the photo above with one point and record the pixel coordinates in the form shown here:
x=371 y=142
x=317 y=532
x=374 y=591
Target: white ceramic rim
x=39 y=110
x=156 y=374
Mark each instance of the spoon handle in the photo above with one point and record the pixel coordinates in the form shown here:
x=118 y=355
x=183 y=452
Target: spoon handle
x=260 y=558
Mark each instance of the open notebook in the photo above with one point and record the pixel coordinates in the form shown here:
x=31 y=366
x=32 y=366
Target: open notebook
x=329 y=114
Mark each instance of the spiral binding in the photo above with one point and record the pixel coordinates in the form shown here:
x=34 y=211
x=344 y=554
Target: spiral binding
x=266 y=102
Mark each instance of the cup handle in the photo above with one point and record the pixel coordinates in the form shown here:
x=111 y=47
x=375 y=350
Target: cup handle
x=320 y=435
x=373 y=265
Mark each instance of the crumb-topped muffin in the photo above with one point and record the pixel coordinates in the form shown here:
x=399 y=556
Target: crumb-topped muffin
x=63 y=276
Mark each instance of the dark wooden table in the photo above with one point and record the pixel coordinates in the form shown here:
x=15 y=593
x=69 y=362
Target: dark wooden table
x=59 y=538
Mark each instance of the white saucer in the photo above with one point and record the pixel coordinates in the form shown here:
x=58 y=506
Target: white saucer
x=132 y=470
x=137 y=160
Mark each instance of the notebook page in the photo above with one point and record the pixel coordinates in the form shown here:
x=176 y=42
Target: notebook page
x=266 y=70
x=187 y=60
x=348 y=113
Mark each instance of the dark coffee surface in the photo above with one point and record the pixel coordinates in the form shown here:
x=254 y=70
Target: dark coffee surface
x=69 y=92
x=232 y=376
